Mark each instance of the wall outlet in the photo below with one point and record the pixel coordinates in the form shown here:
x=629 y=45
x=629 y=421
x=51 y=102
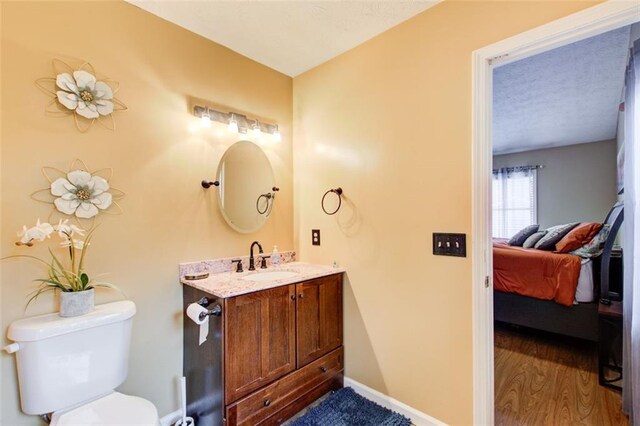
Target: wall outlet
x=315 y=237
x=449 y=244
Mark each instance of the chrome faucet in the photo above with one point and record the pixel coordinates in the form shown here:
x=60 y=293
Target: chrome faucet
x=252 y=266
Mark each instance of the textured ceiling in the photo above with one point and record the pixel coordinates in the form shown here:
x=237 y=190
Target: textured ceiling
x=565 y=96
x=289 y=36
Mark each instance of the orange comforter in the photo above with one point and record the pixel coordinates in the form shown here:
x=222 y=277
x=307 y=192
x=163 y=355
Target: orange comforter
x=535 y=273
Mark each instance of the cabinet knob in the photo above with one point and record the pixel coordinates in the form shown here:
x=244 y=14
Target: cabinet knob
x=323 y=369
x=267 y=402
x=293 y=297
x=301 y=296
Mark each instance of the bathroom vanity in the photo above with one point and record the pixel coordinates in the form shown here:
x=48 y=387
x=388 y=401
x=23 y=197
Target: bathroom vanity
x=275 y=346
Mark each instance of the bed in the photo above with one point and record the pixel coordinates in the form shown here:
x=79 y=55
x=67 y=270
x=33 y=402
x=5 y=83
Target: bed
x=558 y=293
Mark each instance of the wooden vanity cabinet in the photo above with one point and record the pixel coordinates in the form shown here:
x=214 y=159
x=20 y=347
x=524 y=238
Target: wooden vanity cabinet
x=282 y=350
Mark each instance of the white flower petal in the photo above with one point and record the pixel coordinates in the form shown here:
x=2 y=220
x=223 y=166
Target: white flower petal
x=104 y=107
x=60 y=187
x=69 y=100
x=87 y=113
x=79 y=177
x=46 y=228
x=35 y=234
x=66 y=206
x=103 y=91
x=86 y=210
x=102 y=201
x=84 y=79
x=69 y=196
x=100 y=185
x=76 y=230
x=66 y=82
x=62 y=228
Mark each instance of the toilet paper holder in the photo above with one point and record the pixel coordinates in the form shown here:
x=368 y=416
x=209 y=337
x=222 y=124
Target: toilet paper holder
x=216 y=311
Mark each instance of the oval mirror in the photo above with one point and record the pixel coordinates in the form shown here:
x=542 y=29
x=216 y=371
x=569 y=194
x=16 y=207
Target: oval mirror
x=247 y=187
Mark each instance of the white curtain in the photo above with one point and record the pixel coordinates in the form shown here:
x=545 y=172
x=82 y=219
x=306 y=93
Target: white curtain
x=514 y=200
x=631 y=302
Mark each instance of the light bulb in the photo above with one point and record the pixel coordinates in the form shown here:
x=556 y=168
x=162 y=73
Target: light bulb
x=276 y=134
x=233 y=124
x=256 y=129
x=205 y=119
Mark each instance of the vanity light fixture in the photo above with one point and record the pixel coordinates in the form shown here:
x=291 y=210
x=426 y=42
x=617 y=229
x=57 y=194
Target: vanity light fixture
x=236 y=123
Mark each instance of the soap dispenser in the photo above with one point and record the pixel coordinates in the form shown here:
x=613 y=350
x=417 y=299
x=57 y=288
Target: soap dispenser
x=275 y=256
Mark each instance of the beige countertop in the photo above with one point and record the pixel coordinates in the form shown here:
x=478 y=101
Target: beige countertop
x=230 y=284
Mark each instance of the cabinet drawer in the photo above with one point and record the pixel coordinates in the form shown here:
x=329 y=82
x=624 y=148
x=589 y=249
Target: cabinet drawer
x=260 y=405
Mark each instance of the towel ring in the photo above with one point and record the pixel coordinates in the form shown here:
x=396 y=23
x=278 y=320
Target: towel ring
x=269 y=196
x=338 y=192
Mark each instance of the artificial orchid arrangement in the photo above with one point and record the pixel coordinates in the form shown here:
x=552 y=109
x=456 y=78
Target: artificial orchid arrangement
x=70 y=278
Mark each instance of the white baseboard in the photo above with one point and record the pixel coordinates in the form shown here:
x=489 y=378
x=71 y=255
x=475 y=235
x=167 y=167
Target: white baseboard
x=418 y=418
x=171 y=418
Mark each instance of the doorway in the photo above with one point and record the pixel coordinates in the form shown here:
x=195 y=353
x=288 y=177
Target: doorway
x=591 y=22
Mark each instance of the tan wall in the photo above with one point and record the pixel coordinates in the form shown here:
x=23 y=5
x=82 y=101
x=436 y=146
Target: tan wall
x=577 y=183
x=158 y=154
x=390 y=122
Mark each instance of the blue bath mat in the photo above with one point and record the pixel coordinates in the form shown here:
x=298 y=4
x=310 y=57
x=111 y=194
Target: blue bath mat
x=347 y=408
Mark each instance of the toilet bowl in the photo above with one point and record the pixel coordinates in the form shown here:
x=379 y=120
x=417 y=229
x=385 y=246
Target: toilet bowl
x=69 y=368
x=113 y=409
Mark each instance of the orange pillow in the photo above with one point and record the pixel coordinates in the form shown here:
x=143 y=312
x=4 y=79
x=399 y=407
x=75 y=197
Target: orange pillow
x=578 y=236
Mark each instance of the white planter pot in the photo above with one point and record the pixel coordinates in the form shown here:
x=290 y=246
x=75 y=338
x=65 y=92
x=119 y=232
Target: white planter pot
x=76 y=303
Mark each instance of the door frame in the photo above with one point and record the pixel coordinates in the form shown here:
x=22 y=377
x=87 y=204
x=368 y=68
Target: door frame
x=596 y=20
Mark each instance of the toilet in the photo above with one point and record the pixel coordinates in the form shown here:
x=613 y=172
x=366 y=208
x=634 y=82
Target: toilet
x=68 y=368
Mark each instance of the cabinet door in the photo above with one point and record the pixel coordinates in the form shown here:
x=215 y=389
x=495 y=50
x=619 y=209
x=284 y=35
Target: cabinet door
x=319 y=317
x=259 y=340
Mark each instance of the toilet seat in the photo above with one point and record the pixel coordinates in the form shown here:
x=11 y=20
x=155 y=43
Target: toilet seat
x=115 y=409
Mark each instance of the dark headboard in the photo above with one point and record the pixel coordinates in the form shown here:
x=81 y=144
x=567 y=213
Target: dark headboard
x=615 y=219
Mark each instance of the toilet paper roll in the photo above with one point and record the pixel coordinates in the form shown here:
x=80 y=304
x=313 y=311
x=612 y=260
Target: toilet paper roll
x=193 y=312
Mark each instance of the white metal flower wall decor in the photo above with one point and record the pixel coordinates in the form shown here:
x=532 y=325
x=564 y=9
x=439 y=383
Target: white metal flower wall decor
x=79 y=192
x=81 y=93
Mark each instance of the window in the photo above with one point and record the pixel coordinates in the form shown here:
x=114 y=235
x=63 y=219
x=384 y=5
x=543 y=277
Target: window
x=514 y=200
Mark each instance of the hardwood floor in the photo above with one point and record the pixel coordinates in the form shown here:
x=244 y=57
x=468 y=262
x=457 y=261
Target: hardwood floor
x=542 y=379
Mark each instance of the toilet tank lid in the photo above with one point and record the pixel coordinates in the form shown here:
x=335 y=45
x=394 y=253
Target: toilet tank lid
x=50 y=325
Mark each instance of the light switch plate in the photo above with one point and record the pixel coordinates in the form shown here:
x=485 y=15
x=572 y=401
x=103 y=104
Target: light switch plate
x=447 y=244
x=315 y=237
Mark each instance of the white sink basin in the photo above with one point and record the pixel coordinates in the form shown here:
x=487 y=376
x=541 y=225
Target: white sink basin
x=269 y=276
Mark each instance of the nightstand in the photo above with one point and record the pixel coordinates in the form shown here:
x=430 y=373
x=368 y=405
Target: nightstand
x=610 y=345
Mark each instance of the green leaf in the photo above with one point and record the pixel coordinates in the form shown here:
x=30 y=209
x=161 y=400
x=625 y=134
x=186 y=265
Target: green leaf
x=84 y=278
x=108 y=285
x=59 y=266
x=38 y=293
x=87 y=240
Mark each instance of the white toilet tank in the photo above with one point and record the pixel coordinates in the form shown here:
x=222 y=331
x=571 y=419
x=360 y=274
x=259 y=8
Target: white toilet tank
x=63 y=362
